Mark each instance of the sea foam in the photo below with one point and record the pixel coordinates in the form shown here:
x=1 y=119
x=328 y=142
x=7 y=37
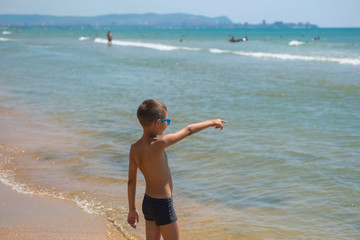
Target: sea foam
x=295 y=43
x=280 y=56
x=156 y=46
x=82 y=38
x=2 y=39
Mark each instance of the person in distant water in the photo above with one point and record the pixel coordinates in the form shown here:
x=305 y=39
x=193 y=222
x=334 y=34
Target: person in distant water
x=109 y=37
x=148 y=154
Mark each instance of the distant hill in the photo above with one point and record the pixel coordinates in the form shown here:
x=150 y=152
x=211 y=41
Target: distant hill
x=148 y=20
x=124 y=20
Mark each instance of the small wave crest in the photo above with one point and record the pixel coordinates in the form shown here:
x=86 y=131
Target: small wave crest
x=295 y=43
x=6 y=32
x=4 y=39
x=280 y=56
x=82 y=38
x=156 y=46
x=81 y=199
x=350 y=61
x=93 y=206
x=214 y=50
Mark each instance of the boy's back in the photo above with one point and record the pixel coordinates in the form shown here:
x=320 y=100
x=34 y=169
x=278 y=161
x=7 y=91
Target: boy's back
x=152 y=161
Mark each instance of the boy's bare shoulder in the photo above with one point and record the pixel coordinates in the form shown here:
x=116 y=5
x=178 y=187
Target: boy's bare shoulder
x=135 y=150
x=139 y=145
x=145 y=147
x=135 y=146
x=135 y=143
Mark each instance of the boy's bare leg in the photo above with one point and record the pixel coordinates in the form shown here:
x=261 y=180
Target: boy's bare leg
x=170 y=231
x=152 y=231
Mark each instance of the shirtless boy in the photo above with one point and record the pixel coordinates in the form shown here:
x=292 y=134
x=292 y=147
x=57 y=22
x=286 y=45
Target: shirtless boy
x=148 y=154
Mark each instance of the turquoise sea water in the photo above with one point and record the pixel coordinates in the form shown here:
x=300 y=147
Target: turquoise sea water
x=286 y=166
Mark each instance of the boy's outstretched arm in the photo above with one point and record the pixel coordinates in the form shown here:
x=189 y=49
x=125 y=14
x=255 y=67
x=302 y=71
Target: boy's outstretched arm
x=133 y=216
x=172 y=138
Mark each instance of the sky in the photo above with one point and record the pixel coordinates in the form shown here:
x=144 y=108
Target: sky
x=324 y=13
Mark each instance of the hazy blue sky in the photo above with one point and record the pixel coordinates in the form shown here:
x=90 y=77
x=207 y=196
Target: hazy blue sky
x=325 y=13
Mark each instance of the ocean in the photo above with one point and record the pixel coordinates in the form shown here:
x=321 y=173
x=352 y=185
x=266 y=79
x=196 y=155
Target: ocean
x=286 y=165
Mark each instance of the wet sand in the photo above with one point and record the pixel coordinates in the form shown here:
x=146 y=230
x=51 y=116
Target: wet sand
x=24 y=216
x=28 y=217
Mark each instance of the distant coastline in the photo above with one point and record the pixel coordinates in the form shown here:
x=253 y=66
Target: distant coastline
x=148 y=20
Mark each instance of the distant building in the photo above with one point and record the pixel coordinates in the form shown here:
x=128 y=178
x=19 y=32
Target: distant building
x=278 y=24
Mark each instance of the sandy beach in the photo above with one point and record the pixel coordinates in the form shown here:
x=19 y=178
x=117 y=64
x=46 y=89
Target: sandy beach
x=33 y=217
x=25 y=216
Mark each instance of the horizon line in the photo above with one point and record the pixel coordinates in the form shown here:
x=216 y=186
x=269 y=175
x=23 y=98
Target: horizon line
x=200 y=15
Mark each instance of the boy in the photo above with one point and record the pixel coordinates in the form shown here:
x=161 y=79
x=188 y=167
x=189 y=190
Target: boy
x=148 y=154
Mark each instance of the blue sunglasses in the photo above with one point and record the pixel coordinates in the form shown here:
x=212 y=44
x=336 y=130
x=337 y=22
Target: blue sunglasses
x=168 y=120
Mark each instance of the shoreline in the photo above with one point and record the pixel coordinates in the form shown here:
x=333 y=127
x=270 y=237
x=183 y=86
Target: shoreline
x=25 y=217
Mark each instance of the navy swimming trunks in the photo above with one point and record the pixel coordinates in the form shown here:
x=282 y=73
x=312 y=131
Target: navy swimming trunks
x=160 y=210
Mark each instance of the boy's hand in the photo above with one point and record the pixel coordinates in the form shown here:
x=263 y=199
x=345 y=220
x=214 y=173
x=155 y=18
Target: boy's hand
x=133 y=218
x=218 y=123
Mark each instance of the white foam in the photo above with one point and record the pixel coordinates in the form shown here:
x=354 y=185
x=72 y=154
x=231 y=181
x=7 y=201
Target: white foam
x=162 y=47
x=94 y=207
x=100 y=40
x=215 y=50
x=189 y=49
x=295 y=43
x=156 y=46
x=82 y=38
x=89 y=207
x=8 y=40
x=350 y=61
x=7 y=178
x=6 y=32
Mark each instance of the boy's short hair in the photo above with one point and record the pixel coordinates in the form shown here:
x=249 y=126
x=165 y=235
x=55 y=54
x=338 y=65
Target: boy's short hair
x=150 y=111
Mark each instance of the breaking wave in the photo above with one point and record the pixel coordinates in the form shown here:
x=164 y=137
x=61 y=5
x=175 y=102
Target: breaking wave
x=156 y=46
x=280 y=56
x=82 y=38
x=92 y=206
x=295 y=43
x=4 y=39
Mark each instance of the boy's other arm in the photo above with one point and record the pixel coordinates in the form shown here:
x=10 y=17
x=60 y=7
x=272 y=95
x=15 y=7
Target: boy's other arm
x=133 y=216
x=172 y=138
